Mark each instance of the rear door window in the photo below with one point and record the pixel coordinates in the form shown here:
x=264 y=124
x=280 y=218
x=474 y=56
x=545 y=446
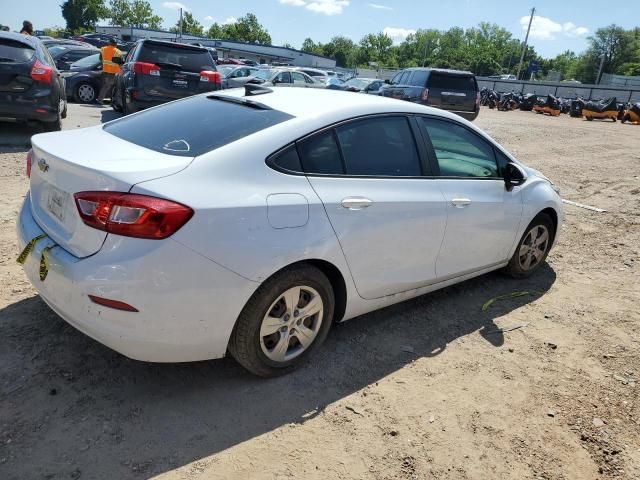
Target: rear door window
x=419 y=78
x=13 y=51
x=460 y=152
x=284 y=77
x=404 y=78
x=194 y=126
x=451 y=82
x=379 y=146
x=191 y=60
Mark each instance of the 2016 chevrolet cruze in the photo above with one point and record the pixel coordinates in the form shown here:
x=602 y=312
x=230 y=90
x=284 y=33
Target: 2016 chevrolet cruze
x=248 y=221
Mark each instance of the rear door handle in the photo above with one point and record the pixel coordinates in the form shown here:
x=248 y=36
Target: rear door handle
x=356 y=203
x=460 y=202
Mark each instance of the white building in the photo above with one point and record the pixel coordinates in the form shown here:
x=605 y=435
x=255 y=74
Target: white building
x=227 y=48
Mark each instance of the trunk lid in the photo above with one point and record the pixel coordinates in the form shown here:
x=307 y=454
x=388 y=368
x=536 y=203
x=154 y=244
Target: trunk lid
x=88 y=159
x=16 y=59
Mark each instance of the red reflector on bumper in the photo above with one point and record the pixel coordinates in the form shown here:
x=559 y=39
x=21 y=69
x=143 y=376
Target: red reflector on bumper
x=41 y=110
x=105 y=302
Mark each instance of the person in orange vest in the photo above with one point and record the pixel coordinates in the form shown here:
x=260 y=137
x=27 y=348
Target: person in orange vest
x=109 y=68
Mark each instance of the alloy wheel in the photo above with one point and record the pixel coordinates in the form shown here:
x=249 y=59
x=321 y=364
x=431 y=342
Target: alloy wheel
x=291 y=324
x=533 y=247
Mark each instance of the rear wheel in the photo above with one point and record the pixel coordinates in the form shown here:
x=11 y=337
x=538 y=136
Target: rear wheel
x=85 y=93
x=285 y=320
x=117 y=107
x=127 y=104
x=533 y=248
x=56 y=125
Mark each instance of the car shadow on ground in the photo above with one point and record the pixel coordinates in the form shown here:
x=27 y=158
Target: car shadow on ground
x=108 y=115
x=19 y=134
x=75 y=399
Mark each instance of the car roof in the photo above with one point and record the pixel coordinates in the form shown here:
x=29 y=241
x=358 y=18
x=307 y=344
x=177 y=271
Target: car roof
x=442 y=70
x=174 y=44
x=19 y=37
x=314 y=103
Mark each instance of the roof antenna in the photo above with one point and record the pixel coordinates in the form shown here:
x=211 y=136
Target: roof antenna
x=251 y=90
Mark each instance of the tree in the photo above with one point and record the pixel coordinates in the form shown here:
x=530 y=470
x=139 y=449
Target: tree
x=215 y=31
x=246 y=29
x=142 y=15
x=83 y=14
x=309 y=46
x=119 y=12
x=342 y=49
x=189 y=25
x=614 y=44
x=376 y=48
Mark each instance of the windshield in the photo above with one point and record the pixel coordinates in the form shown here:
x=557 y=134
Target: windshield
x=263 y=74
x=86 y=62
x=225 y=71
x=57 y=49
x=357 y=83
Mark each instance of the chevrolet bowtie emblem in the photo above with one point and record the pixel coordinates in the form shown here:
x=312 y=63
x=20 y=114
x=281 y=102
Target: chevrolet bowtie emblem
x=43 y=165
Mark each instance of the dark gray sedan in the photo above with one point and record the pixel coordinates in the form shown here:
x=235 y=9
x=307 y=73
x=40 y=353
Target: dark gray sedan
x=84 y=79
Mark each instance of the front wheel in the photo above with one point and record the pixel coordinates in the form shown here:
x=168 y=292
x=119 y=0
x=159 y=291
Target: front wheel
x=85 y=93
x=285 y=320
x=533 y=248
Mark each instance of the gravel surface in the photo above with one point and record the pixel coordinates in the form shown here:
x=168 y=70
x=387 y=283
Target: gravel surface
x=428 y=389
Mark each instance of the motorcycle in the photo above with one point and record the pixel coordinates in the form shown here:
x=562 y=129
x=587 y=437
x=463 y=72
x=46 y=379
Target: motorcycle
x=508 y=101
x=528 y=101
x=605 y=109
x=576 y=107
x=550 y=106
x=632 y=114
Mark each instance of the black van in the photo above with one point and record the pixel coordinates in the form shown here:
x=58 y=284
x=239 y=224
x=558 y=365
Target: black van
x=453 y=90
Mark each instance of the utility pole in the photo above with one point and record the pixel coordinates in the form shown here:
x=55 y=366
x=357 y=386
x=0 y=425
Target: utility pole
x=599 y=77
x=524 y=47
x=180 y=24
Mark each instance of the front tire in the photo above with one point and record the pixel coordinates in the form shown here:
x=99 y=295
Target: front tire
x=284 y=322
x=533 y=247
x=85 y=93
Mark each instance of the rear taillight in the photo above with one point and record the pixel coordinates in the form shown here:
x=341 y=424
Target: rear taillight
x=145 y=68
x=41 y=73
x=132 y=215
x=29 y=162
x=425 y=94
x=210 y=76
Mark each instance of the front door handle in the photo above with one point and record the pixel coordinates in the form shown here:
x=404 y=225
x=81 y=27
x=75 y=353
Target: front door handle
x=460 y=202
x=356 y=203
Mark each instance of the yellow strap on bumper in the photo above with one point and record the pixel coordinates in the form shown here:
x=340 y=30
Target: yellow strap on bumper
x=28 y=248
x=44 y=263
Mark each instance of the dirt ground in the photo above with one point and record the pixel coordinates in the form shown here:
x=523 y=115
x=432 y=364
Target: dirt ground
x=428 y=389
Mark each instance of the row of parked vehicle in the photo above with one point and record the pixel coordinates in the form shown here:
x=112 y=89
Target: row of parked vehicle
x=41 y=75
x=608 y=108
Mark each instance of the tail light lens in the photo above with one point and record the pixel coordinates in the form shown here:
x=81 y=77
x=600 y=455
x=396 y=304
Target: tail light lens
x=210 y=76
x=29 y=162
x=132 y=215
x=425 y=94
x=41 y=73
x=145 y=68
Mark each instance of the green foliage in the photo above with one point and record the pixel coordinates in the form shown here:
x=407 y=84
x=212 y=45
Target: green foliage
x=244 y=29
x=82 y=15
x=189 y=25
x=55 y=32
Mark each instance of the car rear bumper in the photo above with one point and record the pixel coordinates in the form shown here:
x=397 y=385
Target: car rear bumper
x=187 y=304
x=21 y=108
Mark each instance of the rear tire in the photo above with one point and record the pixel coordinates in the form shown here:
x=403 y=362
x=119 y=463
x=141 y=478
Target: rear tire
x=533 y=247
x=128 y=106
x=273 y=334
x=85 y=93
x=56 y=125
x=114 y=100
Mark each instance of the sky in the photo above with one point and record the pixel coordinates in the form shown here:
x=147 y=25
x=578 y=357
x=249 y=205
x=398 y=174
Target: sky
x=558 y=25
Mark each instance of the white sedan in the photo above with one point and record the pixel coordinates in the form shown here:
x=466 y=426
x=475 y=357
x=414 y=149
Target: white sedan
x=249 y=221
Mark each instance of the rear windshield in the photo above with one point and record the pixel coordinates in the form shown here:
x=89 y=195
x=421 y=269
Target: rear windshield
x=13 y=51
x=189 y=59
x=451 y=82
x=193 y=126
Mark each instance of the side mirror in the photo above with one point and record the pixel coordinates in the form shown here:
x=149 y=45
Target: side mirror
x=117 y=60
x=514 y=176
x=387 y=81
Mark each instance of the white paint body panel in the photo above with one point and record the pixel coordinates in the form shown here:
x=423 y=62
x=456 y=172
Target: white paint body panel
x=251 y=221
